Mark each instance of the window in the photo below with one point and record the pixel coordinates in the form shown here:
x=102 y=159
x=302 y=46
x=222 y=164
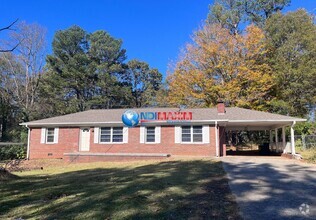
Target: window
x=50 y=135
x=117 y=135
x=186 y=134
x=192 y=134
x=150 y=134
x=105 y=135
x=111 y=135
x=197 y=134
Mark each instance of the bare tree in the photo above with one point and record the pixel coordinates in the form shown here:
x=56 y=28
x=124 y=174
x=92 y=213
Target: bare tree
x=24 y=66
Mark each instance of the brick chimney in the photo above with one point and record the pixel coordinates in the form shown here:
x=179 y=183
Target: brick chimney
x=221 y=108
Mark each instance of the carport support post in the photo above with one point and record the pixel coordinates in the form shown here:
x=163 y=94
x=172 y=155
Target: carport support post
x=276 y=135
x=283 y=137
x=216 y=140
x=292 y=139
x=271 y=138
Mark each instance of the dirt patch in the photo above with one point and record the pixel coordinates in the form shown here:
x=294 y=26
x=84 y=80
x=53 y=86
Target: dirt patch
x=25 y=165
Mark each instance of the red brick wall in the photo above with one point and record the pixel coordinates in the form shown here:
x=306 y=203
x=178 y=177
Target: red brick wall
x=222 y=142
x=68 y=141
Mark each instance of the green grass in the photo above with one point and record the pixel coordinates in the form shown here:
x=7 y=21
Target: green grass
x=309 y=155
x=181 y=189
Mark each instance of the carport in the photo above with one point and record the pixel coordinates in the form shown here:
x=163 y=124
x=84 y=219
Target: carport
x=274 y=125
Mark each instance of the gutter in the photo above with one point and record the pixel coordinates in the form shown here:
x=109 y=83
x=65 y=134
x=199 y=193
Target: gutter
x=28 y=142
x=270 y=120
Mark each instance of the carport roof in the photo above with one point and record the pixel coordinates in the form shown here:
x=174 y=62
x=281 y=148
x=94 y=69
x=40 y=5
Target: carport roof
x=234 y=116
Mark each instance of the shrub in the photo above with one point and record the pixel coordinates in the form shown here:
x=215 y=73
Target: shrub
x=11 y=152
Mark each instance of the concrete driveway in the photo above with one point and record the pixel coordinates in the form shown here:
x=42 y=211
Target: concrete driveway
x=272 y=187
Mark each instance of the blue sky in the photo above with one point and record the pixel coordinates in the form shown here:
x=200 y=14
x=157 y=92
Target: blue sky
x=152 y=31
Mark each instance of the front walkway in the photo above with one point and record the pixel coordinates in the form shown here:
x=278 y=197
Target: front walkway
x=272 y=187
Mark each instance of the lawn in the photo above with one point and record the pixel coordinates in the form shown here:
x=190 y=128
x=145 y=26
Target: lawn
x=175 y=189
x=308 y=155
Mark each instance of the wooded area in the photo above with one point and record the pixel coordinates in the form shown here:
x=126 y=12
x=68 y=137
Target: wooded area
x=248 y=53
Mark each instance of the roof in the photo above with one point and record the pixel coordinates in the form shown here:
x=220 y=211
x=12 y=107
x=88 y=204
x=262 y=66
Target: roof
x=113 y=116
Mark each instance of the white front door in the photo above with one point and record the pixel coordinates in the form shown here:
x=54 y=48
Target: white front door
x=84 y=143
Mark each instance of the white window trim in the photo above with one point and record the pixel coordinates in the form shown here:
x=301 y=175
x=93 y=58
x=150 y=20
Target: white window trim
x=44 y=135
x=111 y=142
x=177 y=134
x=143 y=135
x=96 y=135
x=191 y=142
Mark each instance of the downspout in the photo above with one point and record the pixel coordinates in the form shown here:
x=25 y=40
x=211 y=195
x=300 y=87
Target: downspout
x=28 y=142
x=216 y=140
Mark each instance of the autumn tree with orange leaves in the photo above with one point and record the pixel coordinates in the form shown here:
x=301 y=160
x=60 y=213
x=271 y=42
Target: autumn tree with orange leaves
x=219 y=65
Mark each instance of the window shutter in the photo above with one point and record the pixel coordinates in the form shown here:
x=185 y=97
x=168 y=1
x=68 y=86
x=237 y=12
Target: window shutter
x=142 y=135
x=96 y=135
x=157 y=134
x=43 y=136
x=177 y=134
x=125 y=134
x=56 y=134
x=206 y=134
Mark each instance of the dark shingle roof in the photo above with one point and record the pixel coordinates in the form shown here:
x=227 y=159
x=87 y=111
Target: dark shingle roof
x=232 y=114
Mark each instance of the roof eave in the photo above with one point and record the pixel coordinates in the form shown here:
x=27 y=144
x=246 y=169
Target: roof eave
x=271 y=120
x=115 y=122
x=155 y=122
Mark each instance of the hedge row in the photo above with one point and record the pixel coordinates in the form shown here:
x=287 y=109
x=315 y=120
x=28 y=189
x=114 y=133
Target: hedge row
x=10 y=152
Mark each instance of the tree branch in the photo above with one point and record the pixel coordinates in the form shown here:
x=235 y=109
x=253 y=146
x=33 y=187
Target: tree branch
x=9 y=26
x=10 y=50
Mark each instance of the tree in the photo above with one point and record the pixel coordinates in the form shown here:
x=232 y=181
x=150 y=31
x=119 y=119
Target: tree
x=22 y=69
x=84 y=70
x=6 y=103
x=292 y=38
x=231 y=13
x=70 y=75
x=219 y=65
x=30 y=55
x=108 y=57
x=144 y=82
x=258 y=11
x=20 y=72
x=228 y=13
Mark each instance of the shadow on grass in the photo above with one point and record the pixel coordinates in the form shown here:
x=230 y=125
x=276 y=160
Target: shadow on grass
x=194 y=189
x=6 y=175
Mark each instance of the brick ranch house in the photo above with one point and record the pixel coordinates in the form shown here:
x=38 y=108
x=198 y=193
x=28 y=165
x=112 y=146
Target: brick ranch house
x=95 y=135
